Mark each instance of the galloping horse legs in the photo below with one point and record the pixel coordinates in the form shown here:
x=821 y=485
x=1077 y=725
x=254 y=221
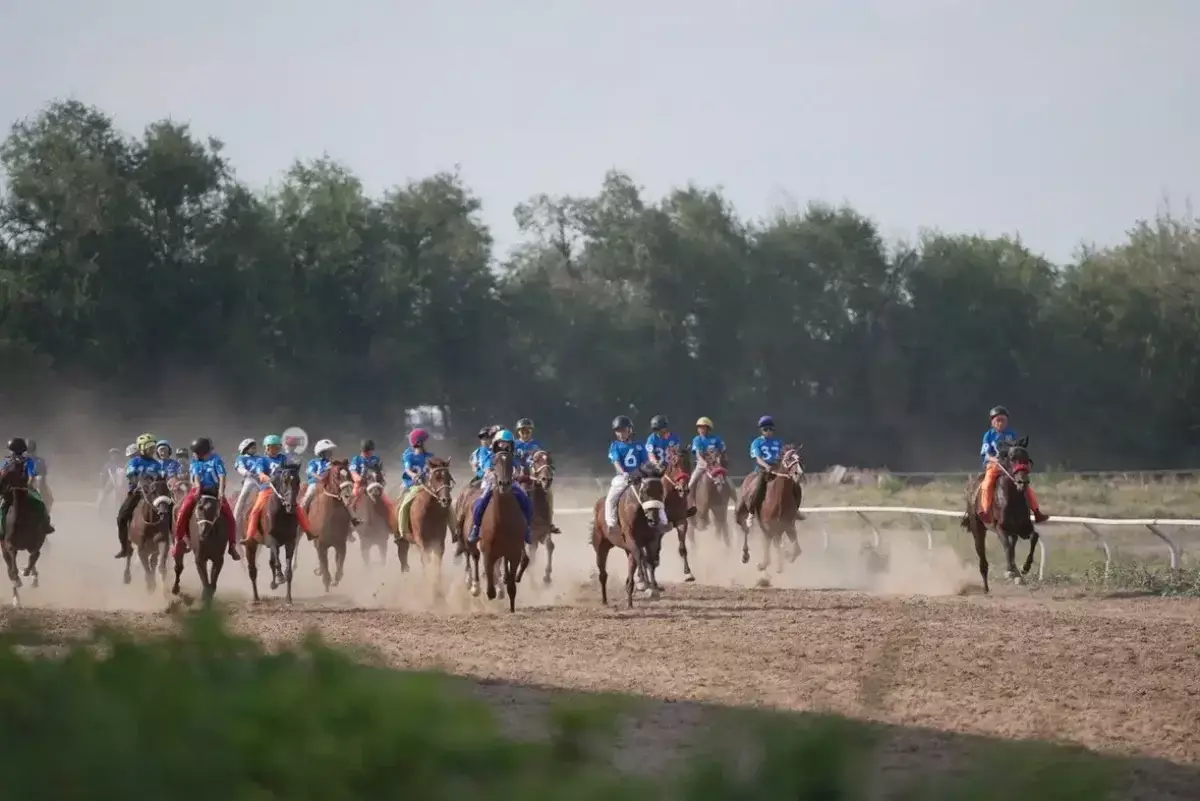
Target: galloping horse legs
x=1009 y=541
x=127 y=577
x=323 y=566
x=1033 y=541
x=682 y=530
x=402 y=553
x=289 y=552
x=339 y=563
x=147 y=567
x=251 y=563
x=602 y=550
x=766 y=540
x=979 y=535
x=31 y=566
x=489 y=568
x=549 y=559
x=10 y=561
x=178 y=572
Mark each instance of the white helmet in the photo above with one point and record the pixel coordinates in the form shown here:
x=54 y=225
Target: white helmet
x=323 y=446
x=131 y=451
x=246 y=443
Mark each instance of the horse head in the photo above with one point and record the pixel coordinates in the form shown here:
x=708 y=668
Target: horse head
x=652 y=494
x=541 y=469
x=714 y=465
x=337 y=482
x=502 y=468
x=373 y=477
x=208 y=512
x=157 y=494
x=286 y=485
x=1016 y=455
x=678 y=463
x=792 y=462
x=438 y=480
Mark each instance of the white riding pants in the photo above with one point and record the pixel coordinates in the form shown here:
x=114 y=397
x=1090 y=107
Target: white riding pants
x=245 y=498
x=699 y=471
x=309 y=492
x=612 y=500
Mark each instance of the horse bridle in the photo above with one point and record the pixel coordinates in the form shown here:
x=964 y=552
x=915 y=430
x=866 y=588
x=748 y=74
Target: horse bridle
x=145 y=486
x=447 y=484
x=542 y=473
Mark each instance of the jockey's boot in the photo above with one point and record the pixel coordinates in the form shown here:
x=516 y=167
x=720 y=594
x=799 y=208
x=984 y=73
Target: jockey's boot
x=691 y=511
x=126 y=549
x=555 y=529
x=1039 y=516
x=233 y=552
x=474 y=535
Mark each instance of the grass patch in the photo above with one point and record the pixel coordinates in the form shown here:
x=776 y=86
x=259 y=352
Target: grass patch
x=202 y=714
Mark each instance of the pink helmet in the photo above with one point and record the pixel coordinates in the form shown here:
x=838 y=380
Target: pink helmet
x=418 y=436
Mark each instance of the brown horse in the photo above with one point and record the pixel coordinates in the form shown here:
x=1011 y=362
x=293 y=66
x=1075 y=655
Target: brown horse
x=713 y=493
x=428 y=519
x=501 y=536
x=25 y=523
x=150 y=530
x=376 y=513
x=1010 y=512
x=208 y=541
x=536 y=481
x=277 y=527
x=331 y=519
x=676 y=473
x=780 y=507
x=641 y=534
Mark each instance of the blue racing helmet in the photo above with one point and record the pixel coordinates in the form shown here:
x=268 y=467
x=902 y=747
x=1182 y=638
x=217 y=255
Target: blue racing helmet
x=766 y=421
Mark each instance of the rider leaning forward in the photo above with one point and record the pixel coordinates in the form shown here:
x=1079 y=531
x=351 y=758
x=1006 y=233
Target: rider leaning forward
x=143 y=463
x=989 y=455
x=19 y=449
x=704 y=440
x=208 y=478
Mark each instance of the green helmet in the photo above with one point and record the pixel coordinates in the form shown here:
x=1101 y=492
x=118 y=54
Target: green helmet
x=272 y=439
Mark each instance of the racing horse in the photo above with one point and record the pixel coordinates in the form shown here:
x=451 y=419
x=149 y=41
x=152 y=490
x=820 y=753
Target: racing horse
x=208 y=541
x=331 y=519
x=536 y=481
x=1010 y=512
x=376 y=513
x=150 y=529
x=277 y=526
x=712 y=494
x=638 y=516
x=428 y=519
x=676 y=473
x=25 y=525
x=780 y=507
x=501 y=544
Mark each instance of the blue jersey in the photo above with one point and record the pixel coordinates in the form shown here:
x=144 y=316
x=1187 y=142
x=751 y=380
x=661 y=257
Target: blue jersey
x=208 y=472
x=30 y=466
x=629 y=455
x=769 y=449
x=523 y=450
x=170 y=467
x=246 y=464
x=658 y=445
x=360 y=463
x=414 y=460
x=700 y=444
x=481 y=453
x=317 y=468
x=991 y=443
x=140 y=466
x=267 y=465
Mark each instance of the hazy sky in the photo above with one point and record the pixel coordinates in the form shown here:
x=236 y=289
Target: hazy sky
x=1063 y=120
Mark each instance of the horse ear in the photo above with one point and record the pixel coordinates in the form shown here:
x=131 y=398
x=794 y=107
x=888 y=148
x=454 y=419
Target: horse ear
x=447 y=461
x=1024 y=441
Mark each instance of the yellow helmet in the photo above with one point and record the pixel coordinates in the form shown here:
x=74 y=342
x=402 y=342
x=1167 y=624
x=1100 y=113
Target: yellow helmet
x=704 y=421
x=146 y=440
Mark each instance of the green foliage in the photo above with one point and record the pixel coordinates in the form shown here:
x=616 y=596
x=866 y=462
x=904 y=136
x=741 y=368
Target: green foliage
x=126 y=260
x=202 y=714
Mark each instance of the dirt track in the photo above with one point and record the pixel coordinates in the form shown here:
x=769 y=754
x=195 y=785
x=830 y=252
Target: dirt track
x=1121 y=676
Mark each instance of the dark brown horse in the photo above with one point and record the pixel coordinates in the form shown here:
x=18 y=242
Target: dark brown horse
x=677 y=471
x=780 y=507
x=376 y=513
x=208 y=541
x=638 y=516
x=712 y=494
x=1010 y=511
x=277 y=527
x=331 y=519
x=428 y=519
x=536 y=481
x=150 y=530
x=25 y=524
x=501 y=543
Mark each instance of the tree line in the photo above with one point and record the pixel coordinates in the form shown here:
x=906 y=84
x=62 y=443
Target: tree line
x=128 y=263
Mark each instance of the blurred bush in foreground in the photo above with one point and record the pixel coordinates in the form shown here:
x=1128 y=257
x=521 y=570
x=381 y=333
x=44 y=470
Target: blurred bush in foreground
x=203 y=714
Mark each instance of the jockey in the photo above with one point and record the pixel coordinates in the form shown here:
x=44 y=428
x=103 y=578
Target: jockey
x=181 y=456
x=525 y=445
x=415 y=457
x=17 y=447
x=503 y=441
x=39 y=464
x=627 y=457
x=142 y=463
x=989 y=457
x=766 y=451
x=246 y=465
x=112 y=468
x=661 y=437
x=318 y=466
x=704 y=440
x=264 y=468
x=166 y=457
x=365 y=460
x=480 y=453
x=208 y=477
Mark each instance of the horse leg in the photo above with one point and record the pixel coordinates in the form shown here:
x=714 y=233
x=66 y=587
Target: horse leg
x=202 y=570
x=289 y=552
x=979 y=535
x=213 y=576
x=147 y=567
x=549 y=559
x=31 y=567
x=402 y=552
x=1010 y=557
x=795 y=539
x=162 y=550
x=634 y=563
x=10 y=561
x=602 y=549
x=510 y=582
x=364 y=548
x=766 y=544
x=1033 y=541
x=745 y=527
x=323 y=565
x=178 y=572
x=339 y=563
x=251 y=547
x=683 y=552
x=127 y=577
x=489 y=568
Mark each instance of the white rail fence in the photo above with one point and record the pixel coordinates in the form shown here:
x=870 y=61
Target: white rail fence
x=1093 y=525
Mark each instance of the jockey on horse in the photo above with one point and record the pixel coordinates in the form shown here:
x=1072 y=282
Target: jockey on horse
x=661 y=438
x=142 y=463
x=208 y=477
x=479 y=454
x=628 y=457
x=170 y=465
x=525 y=445
x=18 y=449
x=246 y=465
x=989 y=453
x=318 y=466
x=504 y=440
x=415 y=458
x=701 y=443
x=766 y=451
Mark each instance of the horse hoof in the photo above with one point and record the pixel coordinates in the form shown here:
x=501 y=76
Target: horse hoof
x=764 y=582
x=762 y=565
x=35 y=584
x=127 y=578
x=650 y=592
x=689 y=578
x=745 y=557
x=1018 y=580
x=474 y=591
x=274 y=585
x=175 y=590
x=546 y=581
x=1010 y=574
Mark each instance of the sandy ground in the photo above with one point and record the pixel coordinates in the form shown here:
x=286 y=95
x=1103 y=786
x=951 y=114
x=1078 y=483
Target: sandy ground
x=901 y=646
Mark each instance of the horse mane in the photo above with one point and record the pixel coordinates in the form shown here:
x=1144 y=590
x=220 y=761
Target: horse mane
x=339 y=462
x=437 y=461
